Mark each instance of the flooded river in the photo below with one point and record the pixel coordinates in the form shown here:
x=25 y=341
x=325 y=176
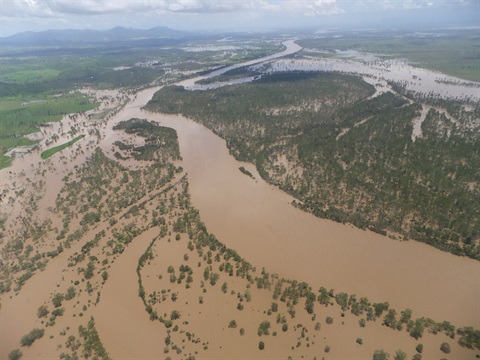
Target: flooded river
x=258 y=221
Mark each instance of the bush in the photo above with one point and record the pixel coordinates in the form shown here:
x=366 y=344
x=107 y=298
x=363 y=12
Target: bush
x=42 y=311
x=70 y=293
x=400 y=355
x=57 y=300
x=380 y=355
x=232 y=324
x=359 y=341
x=15 y=355
x=175 y=315
x=274 y=307
x=33 y=335
x=445 y=347
x=327 y=349
x=261 y=345
x=419 y=348
x=224 y=287
x=264 y=328
x=329 y=320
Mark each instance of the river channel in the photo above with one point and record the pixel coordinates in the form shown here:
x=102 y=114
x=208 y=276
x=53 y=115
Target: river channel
x=259 y=222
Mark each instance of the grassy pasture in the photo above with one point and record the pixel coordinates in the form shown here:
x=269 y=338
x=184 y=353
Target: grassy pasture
x=52 y=151
x=21 y=115
x=29 y=76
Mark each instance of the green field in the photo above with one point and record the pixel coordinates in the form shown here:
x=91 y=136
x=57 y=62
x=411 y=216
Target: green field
x=29 y=76
x=52 y=151
x=5 y=161
x=22 y=115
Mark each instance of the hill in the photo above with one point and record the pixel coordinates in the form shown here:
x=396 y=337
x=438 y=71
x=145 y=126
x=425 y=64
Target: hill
x=68 y=36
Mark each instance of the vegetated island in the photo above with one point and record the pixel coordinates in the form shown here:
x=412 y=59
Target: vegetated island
x=52 y=151
x=246 y=172
x=352 y=157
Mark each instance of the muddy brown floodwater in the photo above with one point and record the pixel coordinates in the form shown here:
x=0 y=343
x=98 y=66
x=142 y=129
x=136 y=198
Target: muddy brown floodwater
x=258 y=221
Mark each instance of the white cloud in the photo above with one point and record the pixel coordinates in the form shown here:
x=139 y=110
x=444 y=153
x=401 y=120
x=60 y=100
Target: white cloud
x=21 y=15
x=375 y=5
x=48 y=8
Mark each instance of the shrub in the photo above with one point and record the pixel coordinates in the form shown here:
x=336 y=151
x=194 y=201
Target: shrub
x=33 y=335
x=175 y=315
x=327 y=349
x=15 y=355
x=329 y=320
x=380 y=355
x=419 y=348
x=261 y=345
x=70 y=293
x=42 y=311
x=264 y=328
x=359 y=341
x=274 y=307
x=445 y=347
x=400 y=355
x=57 y=300
x=232 y=324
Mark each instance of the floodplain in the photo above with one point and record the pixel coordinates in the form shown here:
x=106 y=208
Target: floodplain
x=145 y=238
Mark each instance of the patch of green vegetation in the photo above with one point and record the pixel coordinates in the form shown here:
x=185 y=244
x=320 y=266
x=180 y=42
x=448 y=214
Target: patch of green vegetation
x=5 y=161
x=22 y=115
x=29 y=76
x=245 y=171
x=30 y=338
x=9 y=143
x=52 y=151
x=17 y=119
x=454 y=52
x=92 y=344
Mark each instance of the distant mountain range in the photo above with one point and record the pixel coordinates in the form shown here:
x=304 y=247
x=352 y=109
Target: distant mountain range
x=65 y=37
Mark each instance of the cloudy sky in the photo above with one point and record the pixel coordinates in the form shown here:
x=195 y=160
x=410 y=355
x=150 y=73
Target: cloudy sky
x=37 y=15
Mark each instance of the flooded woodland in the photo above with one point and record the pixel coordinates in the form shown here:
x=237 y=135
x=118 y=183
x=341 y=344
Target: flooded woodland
x=139 y=241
